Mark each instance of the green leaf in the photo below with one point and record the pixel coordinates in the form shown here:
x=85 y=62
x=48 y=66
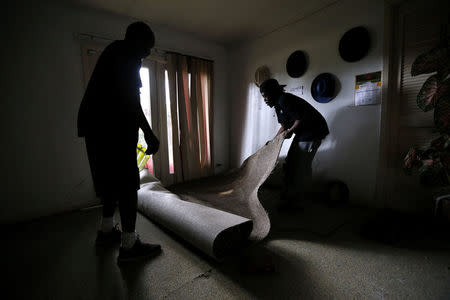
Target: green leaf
x=433 y=175
x=426 y=98
x=431 y=61
x=412 y=159
x=442 y=110
x=441 y=143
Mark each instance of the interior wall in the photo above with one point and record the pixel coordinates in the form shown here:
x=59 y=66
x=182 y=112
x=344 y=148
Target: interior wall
x=350 y=152
x=44 y=164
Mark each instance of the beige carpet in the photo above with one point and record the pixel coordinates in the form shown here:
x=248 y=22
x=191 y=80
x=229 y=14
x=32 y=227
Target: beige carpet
x=215 y=213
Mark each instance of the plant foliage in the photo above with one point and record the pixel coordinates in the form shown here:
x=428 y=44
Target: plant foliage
x=433 y=163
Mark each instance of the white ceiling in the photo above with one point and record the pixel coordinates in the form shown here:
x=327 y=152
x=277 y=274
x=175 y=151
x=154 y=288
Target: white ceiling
x=222 y=21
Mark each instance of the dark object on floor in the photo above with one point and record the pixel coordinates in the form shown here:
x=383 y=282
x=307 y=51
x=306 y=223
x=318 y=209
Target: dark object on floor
x=138 y=251
x=442 y=207
x=337 y=193
x=260 y=263
x=287 y=207
x=393 y=228
x=405 y=230
x=354 y=44
x=108 y=238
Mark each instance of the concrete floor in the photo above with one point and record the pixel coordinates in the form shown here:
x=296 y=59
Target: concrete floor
x=316 y=254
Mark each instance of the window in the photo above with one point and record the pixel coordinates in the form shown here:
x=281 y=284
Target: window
x=145 y=104
x=187 y=121
x=146 y=107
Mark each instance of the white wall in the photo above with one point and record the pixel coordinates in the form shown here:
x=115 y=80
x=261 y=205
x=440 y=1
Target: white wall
x=44 y=165
x=350 y=152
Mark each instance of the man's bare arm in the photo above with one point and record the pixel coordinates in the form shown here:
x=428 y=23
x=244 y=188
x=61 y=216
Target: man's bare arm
x=280 y=130
x=293 y=127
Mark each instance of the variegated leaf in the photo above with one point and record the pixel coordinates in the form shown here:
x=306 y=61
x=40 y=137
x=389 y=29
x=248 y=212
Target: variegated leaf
x=430 y=61
x=434 y=176
x=441 y=143
x=412 y=159
x=427 y=95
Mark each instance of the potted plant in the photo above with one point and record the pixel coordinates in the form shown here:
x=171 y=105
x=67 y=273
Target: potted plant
x=433 y=162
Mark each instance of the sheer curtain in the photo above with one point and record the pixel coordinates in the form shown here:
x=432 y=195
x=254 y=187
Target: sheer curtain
x=190 y=88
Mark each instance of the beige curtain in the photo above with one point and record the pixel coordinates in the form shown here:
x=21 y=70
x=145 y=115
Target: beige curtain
x=172 y=63
x=201 y=94
x=194 y=112
x=159 y=122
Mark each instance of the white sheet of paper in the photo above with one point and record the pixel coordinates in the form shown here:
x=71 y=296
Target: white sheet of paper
x=368 y=93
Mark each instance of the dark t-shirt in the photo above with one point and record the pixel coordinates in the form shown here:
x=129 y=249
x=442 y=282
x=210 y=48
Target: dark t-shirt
x=111 y=100
x=312 y=124
x=108 y=119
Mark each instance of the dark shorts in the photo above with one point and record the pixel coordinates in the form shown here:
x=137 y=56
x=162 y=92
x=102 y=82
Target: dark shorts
x=113 y=164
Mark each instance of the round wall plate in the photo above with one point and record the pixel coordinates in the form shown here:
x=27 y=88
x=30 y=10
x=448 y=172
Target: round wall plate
x=261 y=75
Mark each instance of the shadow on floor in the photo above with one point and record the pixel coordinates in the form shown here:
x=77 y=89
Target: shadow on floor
x=317 y=253
x=319 y=221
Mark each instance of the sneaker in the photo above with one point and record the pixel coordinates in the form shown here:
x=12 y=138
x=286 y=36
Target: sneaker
x=108 y=238
x=138 y=251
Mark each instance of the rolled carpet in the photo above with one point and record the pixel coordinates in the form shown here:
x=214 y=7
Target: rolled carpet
x=216 y=214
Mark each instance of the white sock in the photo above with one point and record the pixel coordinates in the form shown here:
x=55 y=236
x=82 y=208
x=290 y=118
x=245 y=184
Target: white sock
x=107 y=224
x=128 y=239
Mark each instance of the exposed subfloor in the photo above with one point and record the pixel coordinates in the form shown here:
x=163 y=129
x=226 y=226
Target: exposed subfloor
x=317 y=253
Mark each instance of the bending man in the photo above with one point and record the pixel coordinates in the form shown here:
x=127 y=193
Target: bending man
x=298 y=117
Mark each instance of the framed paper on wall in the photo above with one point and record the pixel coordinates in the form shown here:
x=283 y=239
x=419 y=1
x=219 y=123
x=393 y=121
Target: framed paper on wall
x=368 y=89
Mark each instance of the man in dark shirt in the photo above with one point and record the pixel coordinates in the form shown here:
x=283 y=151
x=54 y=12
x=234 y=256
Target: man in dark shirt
x=109 y=118
x=298 y=117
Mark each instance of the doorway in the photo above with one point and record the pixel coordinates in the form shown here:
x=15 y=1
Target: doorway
x=416 y=27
